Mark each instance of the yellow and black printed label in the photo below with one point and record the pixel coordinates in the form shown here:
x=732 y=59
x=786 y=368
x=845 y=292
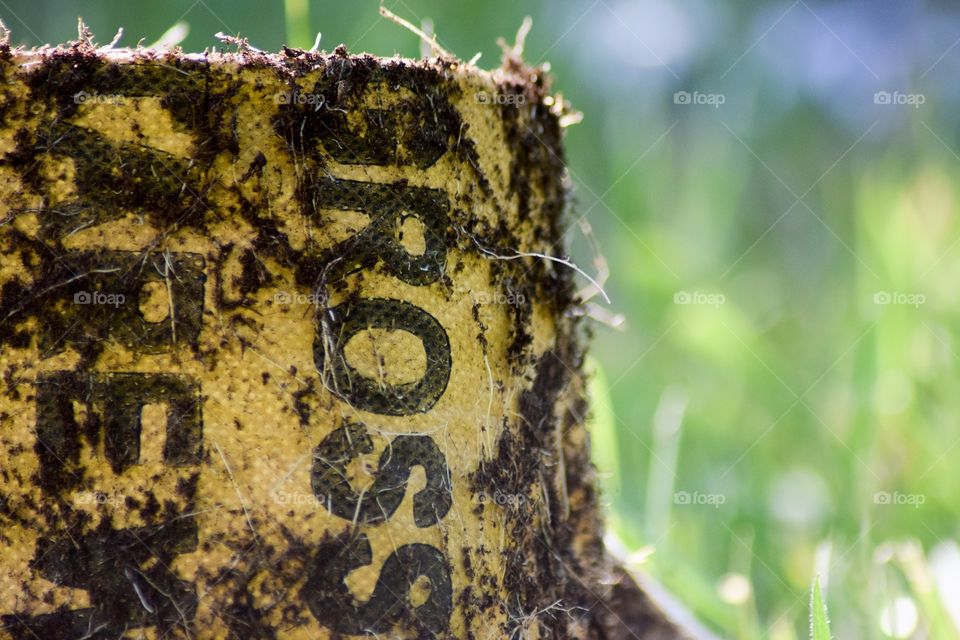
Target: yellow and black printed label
x=278 y=358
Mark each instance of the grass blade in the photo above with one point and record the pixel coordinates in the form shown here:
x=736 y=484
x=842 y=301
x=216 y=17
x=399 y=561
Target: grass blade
x=819 y=624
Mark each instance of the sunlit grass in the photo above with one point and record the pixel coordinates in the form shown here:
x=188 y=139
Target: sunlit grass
x=818 y=404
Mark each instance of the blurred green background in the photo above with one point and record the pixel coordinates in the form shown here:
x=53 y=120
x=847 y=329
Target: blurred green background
x=773 y=186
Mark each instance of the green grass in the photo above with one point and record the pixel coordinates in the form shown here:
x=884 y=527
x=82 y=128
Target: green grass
x=819 y=624
x=821 y=418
